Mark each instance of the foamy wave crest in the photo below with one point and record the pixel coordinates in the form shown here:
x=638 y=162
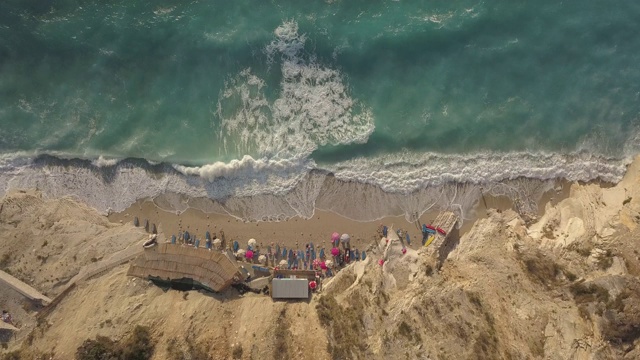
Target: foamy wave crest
x=313 y=107
x=104 y=162
x=248 y=167
x=408 y=172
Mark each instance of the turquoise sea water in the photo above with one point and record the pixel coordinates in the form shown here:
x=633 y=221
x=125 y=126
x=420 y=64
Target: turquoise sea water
x=247 y=97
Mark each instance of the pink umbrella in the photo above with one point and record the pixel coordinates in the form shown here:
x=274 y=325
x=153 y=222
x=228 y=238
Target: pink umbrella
x=335 y=237
x=323 y=265
x=381 y=262
x=316 y=263
x=335 y=251
x=404 y=251
x=313 y=284
x=249 y=254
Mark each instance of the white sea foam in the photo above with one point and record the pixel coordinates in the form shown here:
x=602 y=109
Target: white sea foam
x=313 y=107
x=407 y=172
x=104 y=162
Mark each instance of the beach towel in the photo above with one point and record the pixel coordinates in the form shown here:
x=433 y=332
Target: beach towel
x=236 y=246
x=284 y=253
x=187 y=237
x=207 y=236
x=408 y=238
x=321 y=253
x=173 y=239
x=384 y=231
x=364 y=255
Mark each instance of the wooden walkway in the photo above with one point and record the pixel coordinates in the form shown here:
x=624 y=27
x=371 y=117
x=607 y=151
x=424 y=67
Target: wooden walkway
x=439 y=248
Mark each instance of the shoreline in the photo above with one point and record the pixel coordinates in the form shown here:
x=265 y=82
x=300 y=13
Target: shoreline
x=297 y=231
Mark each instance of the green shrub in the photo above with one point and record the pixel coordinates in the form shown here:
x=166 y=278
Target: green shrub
x=138 y=346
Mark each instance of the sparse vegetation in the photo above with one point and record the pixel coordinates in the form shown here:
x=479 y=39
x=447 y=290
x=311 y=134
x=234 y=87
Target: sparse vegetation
x=344 y=325
x=405 y=330
x=237 y=352
x=281 y=349
x=540 y=268
x=138 y=346
x=606 y=261
x=5 y=260
x=177 y=350
x=586 y=293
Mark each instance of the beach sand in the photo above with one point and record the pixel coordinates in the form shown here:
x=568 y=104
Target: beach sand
x=294 y=232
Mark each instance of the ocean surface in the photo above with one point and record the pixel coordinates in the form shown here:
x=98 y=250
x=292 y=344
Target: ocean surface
x=274 y=108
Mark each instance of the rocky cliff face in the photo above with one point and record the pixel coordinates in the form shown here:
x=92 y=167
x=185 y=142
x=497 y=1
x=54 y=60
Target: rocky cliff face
x=565 y=287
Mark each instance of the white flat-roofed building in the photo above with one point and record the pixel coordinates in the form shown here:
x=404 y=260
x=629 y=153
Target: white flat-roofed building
x=288 y=288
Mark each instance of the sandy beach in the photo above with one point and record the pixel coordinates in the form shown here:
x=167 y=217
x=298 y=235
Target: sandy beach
x=295 y=232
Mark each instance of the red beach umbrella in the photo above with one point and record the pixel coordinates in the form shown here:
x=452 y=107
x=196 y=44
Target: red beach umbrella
x=381 y=262
x=335 y=251
x=313 y=284
x=323 y=265
x=249 y=254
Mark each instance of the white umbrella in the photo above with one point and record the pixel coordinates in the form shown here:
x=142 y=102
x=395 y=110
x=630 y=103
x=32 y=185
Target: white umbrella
x=262 y=259
x=217 y=243
x=345 y=238
x=329 y=263
x=240 y=252
x=283 y=263
x=252 y=243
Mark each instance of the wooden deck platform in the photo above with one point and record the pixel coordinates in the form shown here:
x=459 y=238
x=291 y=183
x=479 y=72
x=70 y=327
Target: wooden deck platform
x=173 y=262
x=439 y=248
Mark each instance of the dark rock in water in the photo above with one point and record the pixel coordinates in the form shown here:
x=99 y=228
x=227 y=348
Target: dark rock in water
x=146 y=225
x=136 y=222
x=154 y=229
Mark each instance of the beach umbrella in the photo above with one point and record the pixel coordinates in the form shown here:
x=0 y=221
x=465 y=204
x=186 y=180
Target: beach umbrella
x=323 y=265
x=345 y=238
x=328 y=263
x=262 y=259
x=335 y=251
x=404 y=251
x=313 y=284
x=252 y=243
x=241 y=252
x=217 y=243
x=316 y=263
x=381 y=262
x=249 y=254
x=335 y=237
x=283 y=262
